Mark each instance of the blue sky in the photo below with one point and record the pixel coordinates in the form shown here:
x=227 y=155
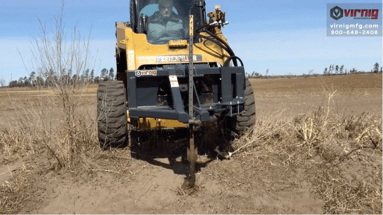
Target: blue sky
x=284 y=36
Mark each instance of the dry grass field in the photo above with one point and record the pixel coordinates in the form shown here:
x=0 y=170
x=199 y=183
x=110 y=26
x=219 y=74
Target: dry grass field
x=316 y=148
x=354 y=94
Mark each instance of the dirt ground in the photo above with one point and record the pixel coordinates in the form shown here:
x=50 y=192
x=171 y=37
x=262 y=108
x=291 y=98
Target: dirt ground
x=125 y=181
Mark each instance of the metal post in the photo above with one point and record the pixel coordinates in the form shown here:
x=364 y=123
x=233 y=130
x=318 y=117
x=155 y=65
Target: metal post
x=191 y=69
x=191 y=151
x=192 y=158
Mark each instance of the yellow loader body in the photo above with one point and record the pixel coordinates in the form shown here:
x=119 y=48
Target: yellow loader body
x=139 y=52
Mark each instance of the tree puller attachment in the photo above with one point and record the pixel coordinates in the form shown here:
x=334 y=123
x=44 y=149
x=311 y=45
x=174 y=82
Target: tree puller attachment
x=175 y=69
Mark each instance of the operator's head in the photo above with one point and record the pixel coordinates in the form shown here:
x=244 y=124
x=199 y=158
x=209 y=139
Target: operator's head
x=165 y=7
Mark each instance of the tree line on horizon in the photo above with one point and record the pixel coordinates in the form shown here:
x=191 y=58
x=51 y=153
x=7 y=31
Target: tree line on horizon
x=88 y=76
x=331 y=70
x=50 y=77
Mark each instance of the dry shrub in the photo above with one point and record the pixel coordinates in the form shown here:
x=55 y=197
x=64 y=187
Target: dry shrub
x=54 y=120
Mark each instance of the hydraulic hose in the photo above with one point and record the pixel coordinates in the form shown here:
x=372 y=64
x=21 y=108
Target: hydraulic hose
x=226 y=64
x=219 y=44
x=222 y=44
x=228 y=49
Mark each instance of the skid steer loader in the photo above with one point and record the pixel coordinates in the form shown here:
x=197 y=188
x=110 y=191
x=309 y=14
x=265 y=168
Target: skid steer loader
x=179 y=72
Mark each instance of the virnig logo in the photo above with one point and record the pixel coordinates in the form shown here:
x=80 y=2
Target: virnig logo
x=338 y=13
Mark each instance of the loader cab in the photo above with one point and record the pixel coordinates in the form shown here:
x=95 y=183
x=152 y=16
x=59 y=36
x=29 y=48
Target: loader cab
x=145 y=19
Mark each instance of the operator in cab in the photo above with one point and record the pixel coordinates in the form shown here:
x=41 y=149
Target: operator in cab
x=165 y=25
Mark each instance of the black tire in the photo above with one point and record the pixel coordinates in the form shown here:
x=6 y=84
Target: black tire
x=111 y=114
x=245 y=119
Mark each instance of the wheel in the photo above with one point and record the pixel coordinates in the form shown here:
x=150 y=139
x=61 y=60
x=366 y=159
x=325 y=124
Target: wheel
x=111 y=114
x=246 y=119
